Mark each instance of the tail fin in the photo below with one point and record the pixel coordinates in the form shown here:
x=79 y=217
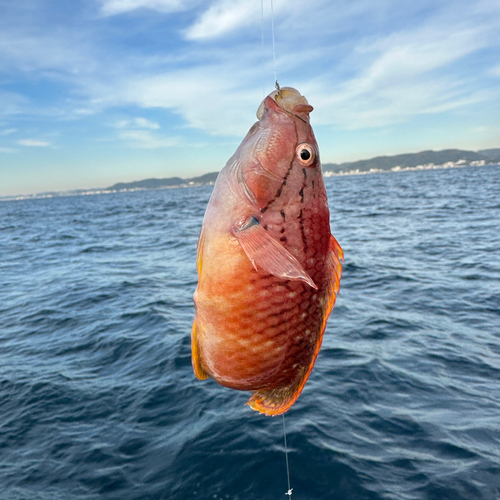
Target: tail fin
x=275 y=401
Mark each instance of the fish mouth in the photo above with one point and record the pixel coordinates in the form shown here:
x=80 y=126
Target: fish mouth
x=289 y=100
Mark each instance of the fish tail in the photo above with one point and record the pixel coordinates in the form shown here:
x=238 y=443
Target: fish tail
x=199 y=371
x=275 y=401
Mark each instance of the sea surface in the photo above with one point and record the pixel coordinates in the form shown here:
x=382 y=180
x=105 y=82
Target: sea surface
x=98 y=399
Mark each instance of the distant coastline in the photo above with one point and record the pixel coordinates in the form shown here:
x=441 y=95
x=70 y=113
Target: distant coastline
x=424 y=160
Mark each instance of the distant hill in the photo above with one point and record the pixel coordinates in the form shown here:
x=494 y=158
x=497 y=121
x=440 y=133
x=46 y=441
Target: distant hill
x=148 y=184
x=163 y=183
x=413 y=160
x=448 y=158
x=204 y=179
x=428 y=159
x=493 y=154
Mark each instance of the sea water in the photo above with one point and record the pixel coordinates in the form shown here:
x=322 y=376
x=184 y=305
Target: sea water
x=97 y=395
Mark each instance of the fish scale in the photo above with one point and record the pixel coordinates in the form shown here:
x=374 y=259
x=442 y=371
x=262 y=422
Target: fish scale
x=268 y=267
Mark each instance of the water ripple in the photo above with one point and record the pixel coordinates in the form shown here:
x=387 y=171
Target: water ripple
x=97 y=394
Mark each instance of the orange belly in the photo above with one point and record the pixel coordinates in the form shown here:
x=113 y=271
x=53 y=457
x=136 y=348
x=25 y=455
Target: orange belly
x=254 y=331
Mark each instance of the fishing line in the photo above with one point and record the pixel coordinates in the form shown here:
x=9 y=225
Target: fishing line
x=262 y=55
x=289 y=492
x=263 y=51
x=274 y=47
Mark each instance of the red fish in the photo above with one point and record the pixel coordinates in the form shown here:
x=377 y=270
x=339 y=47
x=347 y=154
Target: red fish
x=268 y=266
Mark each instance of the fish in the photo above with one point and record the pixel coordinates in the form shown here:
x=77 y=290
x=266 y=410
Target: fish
x=269 y=268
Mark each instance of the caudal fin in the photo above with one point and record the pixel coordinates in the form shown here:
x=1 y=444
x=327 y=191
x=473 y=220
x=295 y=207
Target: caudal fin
x=272 y=402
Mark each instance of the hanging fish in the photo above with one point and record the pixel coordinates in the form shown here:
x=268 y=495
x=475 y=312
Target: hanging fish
x=268 y=267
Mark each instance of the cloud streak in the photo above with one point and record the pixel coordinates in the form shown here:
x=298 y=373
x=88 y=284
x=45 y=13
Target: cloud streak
x=7 y=131
x=33 y=143
x=138 y=123
x=408 y=74
x=142 y=133
x=145 y=139
x=224 y=17
x=115 y=7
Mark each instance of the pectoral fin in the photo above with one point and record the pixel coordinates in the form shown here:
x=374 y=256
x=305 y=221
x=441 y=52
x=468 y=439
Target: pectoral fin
x=268 y=254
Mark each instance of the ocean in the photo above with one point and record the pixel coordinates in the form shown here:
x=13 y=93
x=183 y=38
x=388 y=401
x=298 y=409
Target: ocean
x=97 y=395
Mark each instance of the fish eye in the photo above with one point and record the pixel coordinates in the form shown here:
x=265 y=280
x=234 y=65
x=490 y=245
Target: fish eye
x=305 y=154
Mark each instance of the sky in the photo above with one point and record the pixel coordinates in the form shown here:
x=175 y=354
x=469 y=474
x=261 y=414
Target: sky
x=94 y=92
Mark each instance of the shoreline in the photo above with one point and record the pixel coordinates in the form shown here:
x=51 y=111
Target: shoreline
x=189 y=184
x=427 y=166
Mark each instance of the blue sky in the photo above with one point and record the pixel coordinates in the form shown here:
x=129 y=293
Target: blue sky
x=93 y=92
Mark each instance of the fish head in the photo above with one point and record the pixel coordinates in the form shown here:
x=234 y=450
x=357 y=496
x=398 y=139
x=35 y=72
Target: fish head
x=282 y=141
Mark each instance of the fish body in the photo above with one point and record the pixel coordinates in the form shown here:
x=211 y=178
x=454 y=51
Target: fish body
x=268 y=267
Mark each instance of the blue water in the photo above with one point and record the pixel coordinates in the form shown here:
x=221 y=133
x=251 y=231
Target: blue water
x=97 y=395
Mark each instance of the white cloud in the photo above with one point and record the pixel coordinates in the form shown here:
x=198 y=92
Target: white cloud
x=7 y=150
x=139 y=133
x=405 y=74
x=144 y=123
x=113 y=7
x=11 y=103
x=386 y=79
x=138 y=123
x=7 y=131
x=62 y=51
x=371 y=79
x=33 y=143
x=421 y=50
x=84 y=111
x=206 y=97
x=145 y=139
x=229 y=16
x=224 y=16
x=393 y=79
